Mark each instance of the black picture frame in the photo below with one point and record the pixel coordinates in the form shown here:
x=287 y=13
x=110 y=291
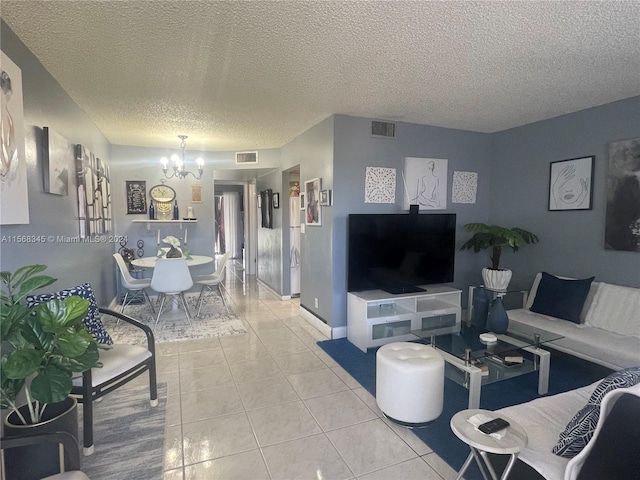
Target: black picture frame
x=571 y=184
x=136 y=196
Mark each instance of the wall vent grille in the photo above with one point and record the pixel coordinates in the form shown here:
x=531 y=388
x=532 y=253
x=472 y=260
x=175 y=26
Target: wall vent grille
x=383 y=129
x=243 y=158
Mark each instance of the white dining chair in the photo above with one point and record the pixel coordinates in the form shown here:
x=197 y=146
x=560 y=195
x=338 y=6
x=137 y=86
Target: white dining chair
x=211 y=281
x=171 y=277
x=135 y=286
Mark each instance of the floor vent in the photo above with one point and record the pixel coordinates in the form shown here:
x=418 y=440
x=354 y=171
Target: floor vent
x=246 y=157
x=383 y=129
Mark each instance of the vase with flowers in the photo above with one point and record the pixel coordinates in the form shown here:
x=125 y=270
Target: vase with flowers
x=175 y=251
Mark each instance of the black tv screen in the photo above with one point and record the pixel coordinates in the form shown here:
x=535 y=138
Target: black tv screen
x=398 y=252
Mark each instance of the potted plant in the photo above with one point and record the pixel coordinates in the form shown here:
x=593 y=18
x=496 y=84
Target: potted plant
x=42 y=347
x=495 y=237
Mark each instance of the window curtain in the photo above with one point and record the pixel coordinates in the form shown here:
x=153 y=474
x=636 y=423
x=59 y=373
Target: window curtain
x=232 y=223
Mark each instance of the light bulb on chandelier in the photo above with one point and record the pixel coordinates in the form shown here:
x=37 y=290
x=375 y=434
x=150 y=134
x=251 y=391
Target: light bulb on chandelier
x=178 y=163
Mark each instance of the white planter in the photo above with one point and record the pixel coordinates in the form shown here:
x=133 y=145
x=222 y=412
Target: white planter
x=497 y=280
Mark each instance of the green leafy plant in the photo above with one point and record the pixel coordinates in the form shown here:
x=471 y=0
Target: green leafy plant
x=495 y=237
x=42 y=346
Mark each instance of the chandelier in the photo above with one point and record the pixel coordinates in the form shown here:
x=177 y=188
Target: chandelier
x=178 y=163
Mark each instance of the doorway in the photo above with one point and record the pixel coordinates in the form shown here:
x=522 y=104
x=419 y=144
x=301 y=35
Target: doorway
x=229 y=230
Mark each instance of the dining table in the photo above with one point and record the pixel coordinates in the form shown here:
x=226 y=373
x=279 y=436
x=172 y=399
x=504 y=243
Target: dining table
x=150 y=262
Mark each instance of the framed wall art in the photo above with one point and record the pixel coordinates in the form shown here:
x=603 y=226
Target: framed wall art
x=622 y=221
x=14 y=194
x=425 y=183
x=570 y=184
x=136 y=196
x=312 y=202
x=325 y=198
x=56 y=158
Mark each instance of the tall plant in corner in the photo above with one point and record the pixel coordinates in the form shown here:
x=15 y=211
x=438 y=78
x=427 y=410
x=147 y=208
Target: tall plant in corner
x=41 y=346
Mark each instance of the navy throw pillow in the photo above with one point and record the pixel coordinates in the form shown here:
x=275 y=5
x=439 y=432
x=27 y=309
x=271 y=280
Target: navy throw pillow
x=561 y=298
x=580 y=428
x=92 y=321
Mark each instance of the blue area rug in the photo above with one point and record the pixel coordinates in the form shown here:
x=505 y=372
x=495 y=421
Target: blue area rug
x=567 y=372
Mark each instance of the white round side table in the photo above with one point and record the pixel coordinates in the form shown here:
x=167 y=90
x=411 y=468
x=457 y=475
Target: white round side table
x=481 y=444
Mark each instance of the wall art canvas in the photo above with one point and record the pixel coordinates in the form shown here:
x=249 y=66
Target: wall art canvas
x=622 y=224
x=94 y=194
x=570 y=184
x=425 y=183
x=14 y=191
x=380 y=185
x=465 y=187
x=312 y=199
x=57 y=155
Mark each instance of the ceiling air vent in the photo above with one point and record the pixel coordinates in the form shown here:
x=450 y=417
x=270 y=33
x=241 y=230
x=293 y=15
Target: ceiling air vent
x=243 y=158
x=383 y=129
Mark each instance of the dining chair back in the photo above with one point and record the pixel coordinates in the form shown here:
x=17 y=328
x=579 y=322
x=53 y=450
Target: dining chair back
x=171 y=276
x=211 y=281
x=135 y=287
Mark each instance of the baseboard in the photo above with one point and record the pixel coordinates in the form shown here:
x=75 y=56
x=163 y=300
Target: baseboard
x=272 y=291
x=336 y=332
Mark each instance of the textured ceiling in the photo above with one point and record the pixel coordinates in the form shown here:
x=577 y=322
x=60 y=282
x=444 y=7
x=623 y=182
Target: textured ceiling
x=241 y=75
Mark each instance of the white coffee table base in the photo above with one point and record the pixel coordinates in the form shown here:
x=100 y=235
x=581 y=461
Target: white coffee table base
x=514 y=440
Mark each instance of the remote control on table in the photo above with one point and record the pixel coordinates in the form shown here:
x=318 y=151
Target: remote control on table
x=494 y=425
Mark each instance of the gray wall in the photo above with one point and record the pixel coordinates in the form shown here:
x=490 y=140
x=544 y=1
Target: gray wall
x=571 y=242
x=47 y=104
x=313 y=152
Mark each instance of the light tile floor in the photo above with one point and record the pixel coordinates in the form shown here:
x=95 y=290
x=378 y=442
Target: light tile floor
x=270 y=404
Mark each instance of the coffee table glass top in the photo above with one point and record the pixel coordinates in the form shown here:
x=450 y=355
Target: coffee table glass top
x=458 y=344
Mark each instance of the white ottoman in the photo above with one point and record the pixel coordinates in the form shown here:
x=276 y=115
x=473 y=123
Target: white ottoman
x=409 y=382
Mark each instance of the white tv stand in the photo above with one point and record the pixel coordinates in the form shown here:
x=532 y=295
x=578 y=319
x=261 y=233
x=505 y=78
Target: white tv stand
x=375 y=317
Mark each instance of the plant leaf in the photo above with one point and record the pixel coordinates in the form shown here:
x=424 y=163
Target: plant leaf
x=33 y=333
x=10 y=318
x=28 y=286
x=77 y=308
x=22 y=363
x=73 y=344
x=52 y=315
x=51 y=385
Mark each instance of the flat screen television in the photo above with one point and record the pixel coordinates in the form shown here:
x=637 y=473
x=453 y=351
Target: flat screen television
x=398 y=252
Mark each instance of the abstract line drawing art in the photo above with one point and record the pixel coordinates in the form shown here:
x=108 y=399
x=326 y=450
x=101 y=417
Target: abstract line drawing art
x=14 y=191
x=425 y=183
x=465 y=187
x=570 y=184
x=380 y=185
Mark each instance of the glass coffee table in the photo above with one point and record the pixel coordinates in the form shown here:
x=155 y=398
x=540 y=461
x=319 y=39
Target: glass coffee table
x=464 y=352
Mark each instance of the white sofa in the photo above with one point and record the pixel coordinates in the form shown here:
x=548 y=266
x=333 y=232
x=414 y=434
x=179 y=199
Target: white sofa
x=544 y=418
x=609 y=329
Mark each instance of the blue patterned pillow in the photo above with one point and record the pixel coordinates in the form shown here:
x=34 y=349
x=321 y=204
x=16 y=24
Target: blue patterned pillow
x=580 y=428
x=92 y=321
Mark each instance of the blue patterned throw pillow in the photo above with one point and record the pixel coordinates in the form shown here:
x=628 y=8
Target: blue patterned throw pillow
x=92 y=321
x=580 y=428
